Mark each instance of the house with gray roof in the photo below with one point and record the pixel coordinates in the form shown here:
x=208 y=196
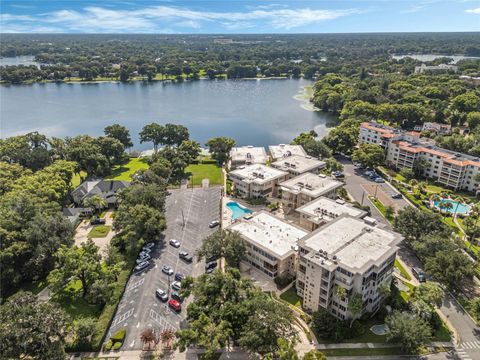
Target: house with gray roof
x=106 y=189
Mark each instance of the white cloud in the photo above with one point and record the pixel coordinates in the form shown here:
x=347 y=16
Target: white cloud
x=474 y=11
x=158 y=18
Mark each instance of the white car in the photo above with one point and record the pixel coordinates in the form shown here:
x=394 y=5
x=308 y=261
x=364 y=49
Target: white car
x=149 y=245
x=142 y=265
x=142 y=259
x=175 y=243
x=167 y=270
x=176 y=285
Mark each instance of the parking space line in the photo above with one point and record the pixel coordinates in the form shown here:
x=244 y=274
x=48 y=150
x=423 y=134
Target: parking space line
x=122 y=317
x=135 y=285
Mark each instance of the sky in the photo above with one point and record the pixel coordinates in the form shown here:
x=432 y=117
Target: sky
x=237 y=16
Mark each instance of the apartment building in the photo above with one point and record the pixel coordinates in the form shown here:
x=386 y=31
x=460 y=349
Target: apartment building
x=283 y=150
x=304 y=188
x=271 y=243
x=247 y=155
x=405 y=149
x=296 y=165
x=322 y=210
x=437 y=68
x=256 y=181
x=349 y=253
x=443 y=129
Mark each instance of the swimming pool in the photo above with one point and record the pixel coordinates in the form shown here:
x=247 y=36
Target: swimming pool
x=237 y=210
x=461 y=209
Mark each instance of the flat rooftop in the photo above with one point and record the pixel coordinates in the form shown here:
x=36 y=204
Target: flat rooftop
x=298 y=163
x=276 y=236
x=254 y=154
x=257 y=173
x=312 y=185
x=355 y=244
x=283 y=150
x=324 y=209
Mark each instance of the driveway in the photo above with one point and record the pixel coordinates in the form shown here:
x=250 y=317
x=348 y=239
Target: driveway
x=83 y=229
x=188 y=212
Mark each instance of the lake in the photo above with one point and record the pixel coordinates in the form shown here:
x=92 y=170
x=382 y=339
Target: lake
x=253 y=112
x=431 y=57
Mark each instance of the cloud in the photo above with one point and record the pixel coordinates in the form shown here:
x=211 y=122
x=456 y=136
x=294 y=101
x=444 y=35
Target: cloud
x=473 y=11
x=156 y=18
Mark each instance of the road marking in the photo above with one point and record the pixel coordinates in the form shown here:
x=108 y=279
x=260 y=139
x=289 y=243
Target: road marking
x=138 y=324
x=122 y=317
x=470 y=345
x=133 y=343
x=135 y=284
x=160 y=319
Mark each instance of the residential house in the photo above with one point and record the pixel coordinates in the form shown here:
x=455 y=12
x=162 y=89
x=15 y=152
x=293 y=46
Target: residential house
x=106 y=189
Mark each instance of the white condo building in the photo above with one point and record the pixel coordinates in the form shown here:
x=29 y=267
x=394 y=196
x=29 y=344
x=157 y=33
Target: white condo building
x=271 y=243
x=304 y=188
x=283 y=150
x=247 y=155
x=323 y=210
x=349 y=253
x=256 y=181
x=296 y=165
x=404 y=148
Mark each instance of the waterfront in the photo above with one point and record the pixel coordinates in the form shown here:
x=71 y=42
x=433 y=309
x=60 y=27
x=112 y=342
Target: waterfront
x=254 y=112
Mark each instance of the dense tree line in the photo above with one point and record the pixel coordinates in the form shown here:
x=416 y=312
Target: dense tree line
x=125 y=56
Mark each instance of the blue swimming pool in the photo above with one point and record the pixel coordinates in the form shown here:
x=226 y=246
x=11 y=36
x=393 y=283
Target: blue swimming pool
x=456 y=207
x=237 y=210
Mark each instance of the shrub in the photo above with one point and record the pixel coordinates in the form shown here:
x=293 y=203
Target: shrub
x=108 y=345
x=119 y=335
x=117 y=346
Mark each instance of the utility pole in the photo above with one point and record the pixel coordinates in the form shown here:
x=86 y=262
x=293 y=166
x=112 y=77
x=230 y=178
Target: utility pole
x=363 y=196
x=376 y=188
x=183 y=219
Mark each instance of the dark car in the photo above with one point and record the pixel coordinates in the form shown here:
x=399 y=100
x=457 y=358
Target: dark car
x=397 y=196
x=209 y=267
x=419 y=274
x=338 y=174
x=97 y=221
x=176 y=296
x=149 y=245
x=213 y=224
x=185 y=256
x=142 y=265
x=162 y=295
x=179 y=276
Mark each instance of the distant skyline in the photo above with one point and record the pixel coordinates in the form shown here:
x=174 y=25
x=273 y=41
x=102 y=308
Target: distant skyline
x=237 y=16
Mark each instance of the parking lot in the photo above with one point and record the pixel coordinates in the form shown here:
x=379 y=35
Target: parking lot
x=188 y=212
x=360 y=186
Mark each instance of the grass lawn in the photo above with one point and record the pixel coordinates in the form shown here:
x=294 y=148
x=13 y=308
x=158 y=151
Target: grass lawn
x=205 y=171
x=406 y=294
x=378 y=204
x=402 y=270
x=32 y=286
x=125 y=172
x=71 y=301
x=368 y=336
x=291 y=297
x=99 y=231
x=442 y=334
x=362 y=352
x=76 y=179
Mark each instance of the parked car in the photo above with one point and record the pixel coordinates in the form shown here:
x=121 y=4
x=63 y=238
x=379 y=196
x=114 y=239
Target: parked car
x=419 y=274
x=167 y=270
x=143 y=254
x=174 y=243
x=213 y=224
x=142 y=265
x=176 y=285
x=338 y=174
x=185 y=256
x=149 y=245
x=142 y=259
x=397 y=196
x=162 y=295
x=97 y=221
x=147 y=250
x=379 y=180
x=175 y=305
x=373 y=175
x=176 y=296
x=179 y=276
x=209 y=267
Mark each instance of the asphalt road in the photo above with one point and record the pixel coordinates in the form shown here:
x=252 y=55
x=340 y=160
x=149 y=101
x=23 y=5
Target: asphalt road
x=188 y=213
x=468 y=347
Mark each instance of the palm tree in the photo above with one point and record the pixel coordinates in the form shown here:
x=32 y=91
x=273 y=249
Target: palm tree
x=167 y=336
x=147 y=337
x=96 y=202
x=339 y=292
x=355 y=306
x=413 y=183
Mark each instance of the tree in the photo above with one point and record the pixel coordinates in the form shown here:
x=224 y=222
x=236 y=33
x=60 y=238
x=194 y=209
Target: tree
x=120 y=133
x=224 y=244
x=389 y=212
x=339 y=291
x=314 y=355
x=31 y=329
x=333 y=165
x=413 y=223
x=420 y=165
x=286 y=350
x=112 y=149
x=407 y=173
x=77 y=263
x=174 y=134
x=87 y=153
x=95 y=202
x=410 y=331
x=385 y=290
x=84 y=329
x=147 y=337
x=154 y=133
x=312 y=146
x=451 y=268
x=370 y=155
x=473 y=119
x=220 y=148
x=355 y=306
